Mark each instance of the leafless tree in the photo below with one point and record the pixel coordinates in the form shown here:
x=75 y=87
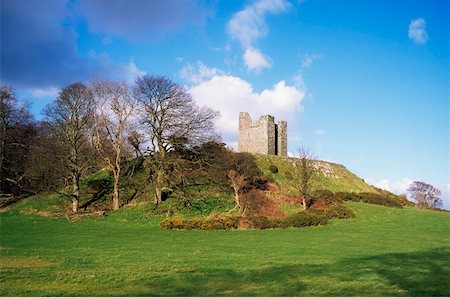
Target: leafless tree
x=16 y=133
x=238 y=183
x=71 y=115
x=425 y=195
x=113 y=109
x=170 y=118
x=305 y=170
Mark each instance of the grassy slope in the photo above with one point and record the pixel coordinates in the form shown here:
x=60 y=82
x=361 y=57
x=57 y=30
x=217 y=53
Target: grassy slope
x=383 y=251
x=331 y=176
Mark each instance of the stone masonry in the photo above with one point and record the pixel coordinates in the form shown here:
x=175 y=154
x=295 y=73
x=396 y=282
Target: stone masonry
x=263 y=136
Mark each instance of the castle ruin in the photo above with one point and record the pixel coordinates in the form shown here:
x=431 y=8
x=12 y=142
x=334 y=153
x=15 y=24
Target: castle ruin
x=263 y=136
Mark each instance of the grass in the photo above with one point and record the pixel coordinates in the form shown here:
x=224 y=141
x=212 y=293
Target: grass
x=331 y=176
x=382 y=252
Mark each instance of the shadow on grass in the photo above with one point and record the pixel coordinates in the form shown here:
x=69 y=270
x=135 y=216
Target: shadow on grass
x=425 y=273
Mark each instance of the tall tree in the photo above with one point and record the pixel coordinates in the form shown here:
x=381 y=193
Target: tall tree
x=113 y=109
x=305 y=170
x=425 y=195
x=170 y=119
x=17 y=131
x=71 y=117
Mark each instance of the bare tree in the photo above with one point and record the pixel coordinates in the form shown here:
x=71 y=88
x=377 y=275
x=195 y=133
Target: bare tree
x=425 y=195
x=71 y=117
x=17 y=131
x=238 y=183
x=305 y=170
x=113 y=109
x=170 y=119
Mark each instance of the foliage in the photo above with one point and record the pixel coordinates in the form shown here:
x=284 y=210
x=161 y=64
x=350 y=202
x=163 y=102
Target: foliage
x=371 y=198
x=301 y=219
x=425 y=194
x=212 y=222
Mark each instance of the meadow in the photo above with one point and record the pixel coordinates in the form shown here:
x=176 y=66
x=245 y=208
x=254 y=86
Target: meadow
x=382 y=252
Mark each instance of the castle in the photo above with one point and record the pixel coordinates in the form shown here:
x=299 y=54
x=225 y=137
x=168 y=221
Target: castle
x=263 y=136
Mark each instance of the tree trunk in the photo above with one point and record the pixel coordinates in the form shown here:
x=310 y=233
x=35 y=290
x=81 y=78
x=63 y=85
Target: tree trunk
x=75 y=192
x=2 y=153
x=116 y=193
x=304 y=202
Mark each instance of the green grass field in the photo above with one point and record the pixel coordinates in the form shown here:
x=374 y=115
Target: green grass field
x=383 y=251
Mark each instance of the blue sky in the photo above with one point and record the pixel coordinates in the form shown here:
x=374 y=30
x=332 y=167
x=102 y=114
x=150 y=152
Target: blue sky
x=361 y=83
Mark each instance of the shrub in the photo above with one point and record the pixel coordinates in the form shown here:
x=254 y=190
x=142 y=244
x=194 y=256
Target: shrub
x=372 y=198
x=303 y=219
x=337 y=211
x=212 y=222
x=254 y=222
x=327 y=195
x=273 y=169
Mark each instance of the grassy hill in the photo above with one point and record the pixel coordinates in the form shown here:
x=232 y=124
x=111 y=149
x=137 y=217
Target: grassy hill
x=382 y=252
x=331 y=176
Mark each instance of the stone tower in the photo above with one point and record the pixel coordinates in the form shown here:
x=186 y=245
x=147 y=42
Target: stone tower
x=263 y=136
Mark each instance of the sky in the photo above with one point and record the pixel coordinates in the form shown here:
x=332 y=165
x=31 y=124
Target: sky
x=361 y=83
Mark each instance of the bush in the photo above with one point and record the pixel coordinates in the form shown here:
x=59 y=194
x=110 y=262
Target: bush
x=326 y=195
x=337 y=211
x=273 y=169
x=212 y=222
x=255 y=222
x=304 y=219
x=372 y=198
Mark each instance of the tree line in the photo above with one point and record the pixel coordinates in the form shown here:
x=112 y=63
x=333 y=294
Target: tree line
x=102 y=124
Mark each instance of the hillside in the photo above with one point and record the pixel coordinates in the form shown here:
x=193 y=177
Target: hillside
x=280 y=198
x=331 y=176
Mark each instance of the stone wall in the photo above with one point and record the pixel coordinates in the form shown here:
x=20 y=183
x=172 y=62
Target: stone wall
x=262 y=136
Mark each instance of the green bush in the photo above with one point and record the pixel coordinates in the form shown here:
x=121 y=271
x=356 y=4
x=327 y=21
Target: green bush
x=326 y=195
x=212 y=222
x=337 y=211
x=273 y=169
x=303 y=219
x=372 y=198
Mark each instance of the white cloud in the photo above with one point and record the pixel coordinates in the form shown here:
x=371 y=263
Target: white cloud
x=198 y=73
x=179 y=59
x=319 y=132
x=417 y=32
x=132 y=71
x=255 y=60
x=308 y=60
x=231 y=95
x=247 y=25
x=396 y=187
x=45 y=92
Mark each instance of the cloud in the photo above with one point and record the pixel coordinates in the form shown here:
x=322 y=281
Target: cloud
x=255 y=60
x=417 y=32
x=308 y=60
x=247 y=25
x=39 y=46
x=198 y=73
x=45 y=92
x=396 y=187
x=139 y=20
x=132 y=71
x=319 y=132
x=231 y=95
